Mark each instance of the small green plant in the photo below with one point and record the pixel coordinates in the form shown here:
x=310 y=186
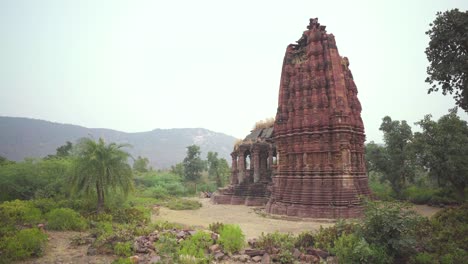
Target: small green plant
x=167 y=247
x=216 y=227
x=352 y=249
x=231 y=238
x=137 y=215
x=304 y=240
x=65 y=219
x=183 y=204
x=196 y=246
x=24 y=244
x=276 y=240
x=123 y=249
x=122 y=261
x=19 y=213
x=326 y=237
x=423 y=258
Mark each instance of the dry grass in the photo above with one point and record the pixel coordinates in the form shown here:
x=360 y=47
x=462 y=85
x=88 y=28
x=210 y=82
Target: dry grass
x=266 y=123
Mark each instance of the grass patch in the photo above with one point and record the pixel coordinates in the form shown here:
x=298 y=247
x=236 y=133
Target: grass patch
x=183 y=204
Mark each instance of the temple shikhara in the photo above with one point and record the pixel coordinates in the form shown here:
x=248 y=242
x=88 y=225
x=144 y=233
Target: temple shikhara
x=310 y=163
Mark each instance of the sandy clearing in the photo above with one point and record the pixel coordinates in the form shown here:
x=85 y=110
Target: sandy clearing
x=252 y=223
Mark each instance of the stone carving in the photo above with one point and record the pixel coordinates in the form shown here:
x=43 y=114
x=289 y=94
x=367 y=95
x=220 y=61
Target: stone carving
x=324 y=175
x=250 y=183
x=317 y=139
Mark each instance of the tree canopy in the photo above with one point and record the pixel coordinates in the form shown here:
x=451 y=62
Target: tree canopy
x=448 y=55
x=141 y=164
x=442 y=148
x=99 y=167
x=217 y=168
x=193 y=164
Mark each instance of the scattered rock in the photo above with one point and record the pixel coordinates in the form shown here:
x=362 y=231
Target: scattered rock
x=181 y=235
x=244 y=258
x=254 y=252
x=332 y=260
x=219 y=256
x=297 y=254
x=318 y=252
x=92 y=251
x=134 y=259
x=155 y=259
x=214 y=248
x=310 y=258
x=257 y=258
x=252 y=242
x=266 y=259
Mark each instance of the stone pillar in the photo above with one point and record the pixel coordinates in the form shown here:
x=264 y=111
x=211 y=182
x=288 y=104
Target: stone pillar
x=241 y=174
x=270 y=159
x=256 y=165
x=234 y=172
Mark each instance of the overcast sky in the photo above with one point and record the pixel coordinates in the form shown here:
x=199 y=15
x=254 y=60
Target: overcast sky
x=139 y=65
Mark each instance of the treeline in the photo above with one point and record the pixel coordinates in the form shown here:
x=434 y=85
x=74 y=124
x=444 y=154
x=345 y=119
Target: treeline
x=430 y=166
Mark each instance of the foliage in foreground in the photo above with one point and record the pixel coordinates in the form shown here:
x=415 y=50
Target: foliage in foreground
x=231 y=238
x=65 y=219
x=24 y=244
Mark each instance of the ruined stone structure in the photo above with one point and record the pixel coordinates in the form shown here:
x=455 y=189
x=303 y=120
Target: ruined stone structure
x=318 y=138
x=251 y=171
x=319 y=134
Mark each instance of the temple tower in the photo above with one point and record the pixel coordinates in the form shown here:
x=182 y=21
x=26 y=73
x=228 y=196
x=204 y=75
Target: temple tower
x=318 y=133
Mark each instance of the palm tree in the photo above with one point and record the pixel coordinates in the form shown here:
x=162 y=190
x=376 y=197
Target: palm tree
x=100 y=167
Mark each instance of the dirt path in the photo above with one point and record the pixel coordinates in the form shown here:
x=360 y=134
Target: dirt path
x=251 y=223
x=59 y=251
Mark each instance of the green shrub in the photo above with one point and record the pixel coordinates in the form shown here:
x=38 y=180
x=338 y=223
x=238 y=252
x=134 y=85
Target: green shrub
x=167 y=247
x=381 y=191
x=231 y=238
x=423 y=258
x=65 y=219
x=351 y=249
x=418 y=195
x=19 y=213
x=183 y=204
x=216 y=227
x=196 y=246
x=275 y=240
x=137 y=215
x=391 y=225
x=24 y=244
x=123 y=249
x=326 y=237
x=304 y=240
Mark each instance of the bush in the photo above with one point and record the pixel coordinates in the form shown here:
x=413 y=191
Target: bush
x=391 y=225
x=276 y=240
x=326 y=237
x=136 y=215
x=196 y=246
x=24 y=244
x=183 y=204
x=216 y=227
x=65 y=219
x=381 y=191
x=19 y=213
x=351 y=249
x=231 y=238
x=423 y=258
x=304 y=240
x=167 y=247
x=123 y=249
x=418 y=195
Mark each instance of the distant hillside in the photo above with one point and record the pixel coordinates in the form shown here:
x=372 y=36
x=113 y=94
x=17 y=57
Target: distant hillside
x=23 y=137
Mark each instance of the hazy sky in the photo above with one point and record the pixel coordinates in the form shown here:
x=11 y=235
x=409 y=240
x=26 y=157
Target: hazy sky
x=139 y=65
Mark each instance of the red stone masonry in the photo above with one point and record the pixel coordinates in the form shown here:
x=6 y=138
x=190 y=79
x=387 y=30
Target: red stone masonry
x=319 y=134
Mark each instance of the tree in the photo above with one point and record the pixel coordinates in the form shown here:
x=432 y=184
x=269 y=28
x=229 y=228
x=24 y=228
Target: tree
x=4 y=161
x=141 y=164
x=178 y=169
x=375 y=157
x=99 y=167
x=448 y=55
x=396 y=162
x=217 y=168
x=442 y=149
x=62 y=151
x=193 y=165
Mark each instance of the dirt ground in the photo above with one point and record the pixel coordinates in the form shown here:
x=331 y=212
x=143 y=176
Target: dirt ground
x=59 y=251
x=252 y=223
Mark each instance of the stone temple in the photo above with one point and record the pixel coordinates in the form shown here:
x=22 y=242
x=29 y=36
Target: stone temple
x=311 y=162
